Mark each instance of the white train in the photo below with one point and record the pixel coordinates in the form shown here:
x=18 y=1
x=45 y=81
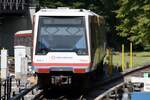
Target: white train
x=68 y=44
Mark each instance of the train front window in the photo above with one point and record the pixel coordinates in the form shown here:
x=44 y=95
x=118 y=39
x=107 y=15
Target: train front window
x=61 y=34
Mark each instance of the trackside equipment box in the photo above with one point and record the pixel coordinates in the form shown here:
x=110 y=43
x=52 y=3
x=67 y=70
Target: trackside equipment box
x=140 y=96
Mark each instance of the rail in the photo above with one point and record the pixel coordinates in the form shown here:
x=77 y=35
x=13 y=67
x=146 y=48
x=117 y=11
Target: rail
x=23 y=93
x=120 y=87
x=122 y=75
x=115 y=92
x=112 y=93
x=39 y=96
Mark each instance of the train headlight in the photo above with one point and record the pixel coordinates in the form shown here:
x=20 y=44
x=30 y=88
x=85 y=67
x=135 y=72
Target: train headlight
x=81 y=52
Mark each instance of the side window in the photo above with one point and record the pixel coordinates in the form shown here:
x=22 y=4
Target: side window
x=93 y=34
x=101 y=30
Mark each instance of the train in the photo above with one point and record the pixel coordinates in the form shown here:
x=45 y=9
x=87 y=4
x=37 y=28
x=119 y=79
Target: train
x=68 y=45
x=23 y=38
x=22 y=51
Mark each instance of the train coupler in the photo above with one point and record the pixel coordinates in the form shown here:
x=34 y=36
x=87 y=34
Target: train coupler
x=60 y=80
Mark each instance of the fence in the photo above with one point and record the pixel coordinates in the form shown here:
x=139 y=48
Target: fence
x=13 y=6
x=6 y=86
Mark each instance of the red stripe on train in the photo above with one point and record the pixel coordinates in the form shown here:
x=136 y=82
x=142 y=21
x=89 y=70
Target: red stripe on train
x=25 y=35
x=61 y=64
x=43 y=70
x=77 y=70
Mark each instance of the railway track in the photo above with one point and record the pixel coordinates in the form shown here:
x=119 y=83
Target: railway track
x=98 y=90
x=39 y=96
x=116 y=84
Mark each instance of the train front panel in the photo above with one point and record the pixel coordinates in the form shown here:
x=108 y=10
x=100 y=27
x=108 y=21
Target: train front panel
x=61 y=47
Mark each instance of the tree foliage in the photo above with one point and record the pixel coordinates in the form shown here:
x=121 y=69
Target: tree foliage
x=98 y=6
x=134 y=23
x=101 y=7
x=133 y=15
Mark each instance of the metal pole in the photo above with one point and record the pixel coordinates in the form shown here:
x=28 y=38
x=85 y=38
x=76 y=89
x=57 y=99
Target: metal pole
x=110 y=62
x=8 y=87
x=116 y=94
x=131 y=56
x=123 y=67
x=4 y=4
x=5 y=90
x=8 y=96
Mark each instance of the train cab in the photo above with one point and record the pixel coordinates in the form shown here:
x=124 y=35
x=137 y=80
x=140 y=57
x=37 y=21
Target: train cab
x=67 y=43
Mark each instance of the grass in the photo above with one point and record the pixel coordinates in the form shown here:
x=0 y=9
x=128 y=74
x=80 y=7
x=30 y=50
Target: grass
x=139 y=58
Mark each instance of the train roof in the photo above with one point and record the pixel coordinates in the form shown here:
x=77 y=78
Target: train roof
x=63 y=11
x=24 y=32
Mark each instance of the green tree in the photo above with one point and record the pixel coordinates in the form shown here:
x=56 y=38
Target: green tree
x=102 y=7
x=134 y=23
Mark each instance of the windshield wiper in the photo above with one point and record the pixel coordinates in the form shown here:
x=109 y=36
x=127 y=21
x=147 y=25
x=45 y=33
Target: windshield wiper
x=43 y=51
x=62 y=49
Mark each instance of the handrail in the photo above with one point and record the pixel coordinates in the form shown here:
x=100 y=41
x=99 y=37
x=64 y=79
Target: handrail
x=23 y=93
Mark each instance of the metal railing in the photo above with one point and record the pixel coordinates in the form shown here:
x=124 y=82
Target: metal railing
x=6 y=88
x=7 y=92
x=23 y=93
x=13 y=6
